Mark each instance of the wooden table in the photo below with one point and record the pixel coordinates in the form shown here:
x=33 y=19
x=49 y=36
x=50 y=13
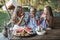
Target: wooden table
x=50 y=35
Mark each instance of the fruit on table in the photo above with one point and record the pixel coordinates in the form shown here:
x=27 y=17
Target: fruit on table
x=27 y=29
x=19 y=30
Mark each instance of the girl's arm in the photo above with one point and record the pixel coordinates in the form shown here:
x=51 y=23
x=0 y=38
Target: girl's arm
x=28 y=20
x=47 y=22
x=41 y=18
x=51 y=21
x=14 y=15
x=20 y=20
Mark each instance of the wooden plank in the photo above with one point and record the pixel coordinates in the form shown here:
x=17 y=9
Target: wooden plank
x=56 y=21
x=51 y=35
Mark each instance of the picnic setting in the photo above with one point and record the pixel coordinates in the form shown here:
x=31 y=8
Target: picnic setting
x=29 y=19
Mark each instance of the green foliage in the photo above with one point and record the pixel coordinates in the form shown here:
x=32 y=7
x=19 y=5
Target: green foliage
x=3 y=17
x=25 y=9
x=55 y=4
x=0 y=3
x=39 y=4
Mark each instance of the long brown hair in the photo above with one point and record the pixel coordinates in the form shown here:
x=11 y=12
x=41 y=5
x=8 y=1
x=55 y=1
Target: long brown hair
x=19 y=11
x=50 y=10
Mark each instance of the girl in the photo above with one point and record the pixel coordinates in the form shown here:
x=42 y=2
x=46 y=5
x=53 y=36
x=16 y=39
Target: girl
x=46 y=19
x=32 y=19
x=17 y=18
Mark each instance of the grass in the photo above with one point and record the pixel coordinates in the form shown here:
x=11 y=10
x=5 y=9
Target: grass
x=3 y=18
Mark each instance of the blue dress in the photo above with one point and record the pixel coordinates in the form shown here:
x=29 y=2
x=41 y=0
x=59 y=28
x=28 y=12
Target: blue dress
x=32 y=24
x=44 y=25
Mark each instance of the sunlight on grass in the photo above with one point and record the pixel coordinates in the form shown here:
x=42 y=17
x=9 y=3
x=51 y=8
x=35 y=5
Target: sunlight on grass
x=3 y=18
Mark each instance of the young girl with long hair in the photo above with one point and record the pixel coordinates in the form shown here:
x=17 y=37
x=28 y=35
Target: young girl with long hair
x=46 y=19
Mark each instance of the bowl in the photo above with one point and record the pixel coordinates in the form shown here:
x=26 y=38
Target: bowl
x=41 y=33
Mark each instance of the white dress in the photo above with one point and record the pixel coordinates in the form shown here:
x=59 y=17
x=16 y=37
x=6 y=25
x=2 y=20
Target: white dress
x=21 y=25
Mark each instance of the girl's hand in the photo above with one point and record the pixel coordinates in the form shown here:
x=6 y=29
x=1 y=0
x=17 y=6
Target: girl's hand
x=32 y=15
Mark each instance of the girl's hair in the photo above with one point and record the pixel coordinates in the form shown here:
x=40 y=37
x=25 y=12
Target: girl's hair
x=18 y=9
x=50 y=10
x=33 y=8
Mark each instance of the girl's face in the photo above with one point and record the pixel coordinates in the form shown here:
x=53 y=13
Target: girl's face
x=45 y=11
x=21 y=12
x=32 y=11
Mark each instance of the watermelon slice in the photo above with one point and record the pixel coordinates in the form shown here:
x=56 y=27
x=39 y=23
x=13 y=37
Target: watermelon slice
x=19 y=30
x=28 y=30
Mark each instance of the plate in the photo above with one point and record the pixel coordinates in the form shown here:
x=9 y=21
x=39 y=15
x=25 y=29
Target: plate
x=23 y=33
